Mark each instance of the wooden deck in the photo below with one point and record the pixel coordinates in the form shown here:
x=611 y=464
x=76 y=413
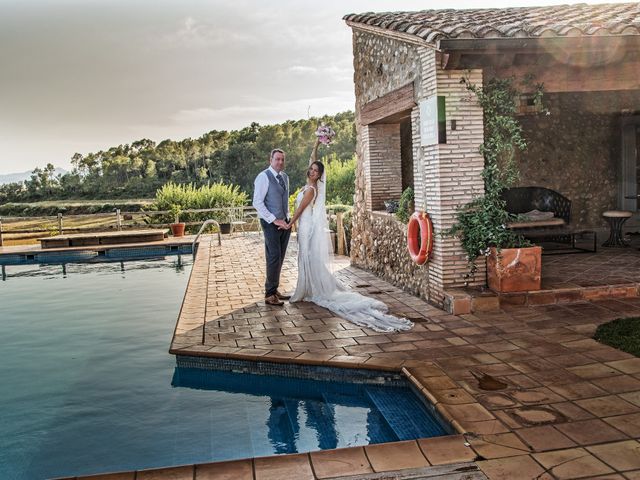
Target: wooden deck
x=103 y=238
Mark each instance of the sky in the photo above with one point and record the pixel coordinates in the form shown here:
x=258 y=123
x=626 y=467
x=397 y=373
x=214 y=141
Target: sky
x=85 y=75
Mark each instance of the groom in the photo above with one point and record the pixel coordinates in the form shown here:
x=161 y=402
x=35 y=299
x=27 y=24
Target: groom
x=271 y=200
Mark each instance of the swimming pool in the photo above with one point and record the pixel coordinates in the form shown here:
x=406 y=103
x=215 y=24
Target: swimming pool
x=89 y=387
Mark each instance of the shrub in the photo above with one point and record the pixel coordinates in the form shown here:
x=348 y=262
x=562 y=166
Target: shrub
x=405 y=207
x=482 y=223
x=341 y=179
x=189 y=197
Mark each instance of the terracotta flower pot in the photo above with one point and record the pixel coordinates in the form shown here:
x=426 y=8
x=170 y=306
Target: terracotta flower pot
x=177 y=229
x=514 y=269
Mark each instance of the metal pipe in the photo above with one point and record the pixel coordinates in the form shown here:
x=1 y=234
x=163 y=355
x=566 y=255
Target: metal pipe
x=204 y=225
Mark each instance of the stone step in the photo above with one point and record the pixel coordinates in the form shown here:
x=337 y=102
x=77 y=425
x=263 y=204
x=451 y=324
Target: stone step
x=465 y=301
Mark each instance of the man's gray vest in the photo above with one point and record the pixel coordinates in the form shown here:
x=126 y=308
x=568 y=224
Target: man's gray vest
x=277 y=198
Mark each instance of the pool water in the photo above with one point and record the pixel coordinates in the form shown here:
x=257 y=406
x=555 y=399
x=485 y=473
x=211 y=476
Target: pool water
x=89 y=387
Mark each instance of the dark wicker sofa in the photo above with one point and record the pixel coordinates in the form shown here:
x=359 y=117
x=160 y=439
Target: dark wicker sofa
x=521 y=200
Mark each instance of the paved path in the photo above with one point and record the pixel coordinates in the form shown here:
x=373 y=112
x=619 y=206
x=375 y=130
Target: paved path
x=570 y=409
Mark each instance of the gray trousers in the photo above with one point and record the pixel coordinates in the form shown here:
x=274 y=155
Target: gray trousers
x=275 y=248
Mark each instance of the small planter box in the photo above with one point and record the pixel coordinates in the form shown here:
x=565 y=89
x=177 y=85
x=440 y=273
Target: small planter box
x=514 y=269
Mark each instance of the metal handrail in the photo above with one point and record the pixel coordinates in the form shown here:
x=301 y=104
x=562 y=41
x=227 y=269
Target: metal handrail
x=204 y=225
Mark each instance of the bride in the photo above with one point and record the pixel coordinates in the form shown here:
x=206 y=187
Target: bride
x=315 y=282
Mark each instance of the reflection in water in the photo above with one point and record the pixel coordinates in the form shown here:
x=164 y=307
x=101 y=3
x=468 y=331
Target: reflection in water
x=301 y=414
x=284 y=423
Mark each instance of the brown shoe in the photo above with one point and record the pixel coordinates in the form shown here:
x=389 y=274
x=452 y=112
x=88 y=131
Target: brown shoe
x=282 y=297
x=273 y=300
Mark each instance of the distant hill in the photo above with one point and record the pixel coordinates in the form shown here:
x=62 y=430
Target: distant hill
x=22 y=176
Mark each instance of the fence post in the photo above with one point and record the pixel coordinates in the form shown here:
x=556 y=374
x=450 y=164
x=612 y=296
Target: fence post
x=340 y=233
x=60 y=222
x=1 y=241
x=118 y=219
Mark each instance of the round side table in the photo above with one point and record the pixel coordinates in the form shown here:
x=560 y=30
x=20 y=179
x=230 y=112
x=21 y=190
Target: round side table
x=615 y=219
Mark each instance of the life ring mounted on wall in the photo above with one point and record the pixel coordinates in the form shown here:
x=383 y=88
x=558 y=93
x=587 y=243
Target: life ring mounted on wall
x=420 y=237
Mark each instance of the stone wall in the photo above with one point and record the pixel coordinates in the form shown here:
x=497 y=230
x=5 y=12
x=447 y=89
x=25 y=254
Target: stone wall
x=380 y=249
x=445 y=176
x=575 y=150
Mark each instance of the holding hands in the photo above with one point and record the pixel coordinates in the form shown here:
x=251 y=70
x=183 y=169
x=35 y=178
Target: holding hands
x=282 y=224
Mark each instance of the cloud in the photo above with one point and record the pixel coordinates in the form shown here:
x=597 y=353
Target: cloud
x=265 y=110
x=302 y=69
x=197 y=34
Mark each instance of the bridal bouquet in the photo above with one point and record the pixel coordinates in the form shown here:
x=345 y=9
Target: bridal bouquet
x=324 y=135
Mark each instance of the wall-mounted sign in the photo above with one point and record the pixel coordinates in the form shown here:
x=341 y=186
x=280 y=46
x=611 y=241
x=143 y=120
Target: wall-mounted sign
x=429 y=121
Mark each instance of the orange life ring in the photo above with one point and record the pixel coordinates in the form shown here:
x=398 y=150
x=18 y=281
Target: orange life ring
x=420 y=237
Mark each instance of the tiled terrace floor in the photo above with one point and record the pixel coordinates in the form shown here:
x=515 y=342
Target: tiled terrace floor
x=571 y=408
x=609 y=266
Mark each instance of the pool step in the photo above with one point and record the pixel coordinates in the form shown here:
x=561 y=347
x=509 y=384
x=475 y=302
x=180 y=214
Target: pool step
x=405 y=414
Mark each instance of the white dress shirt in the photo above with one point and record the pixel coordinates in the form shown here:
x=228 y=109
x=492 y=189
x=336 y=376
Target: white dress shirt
x=260 y=187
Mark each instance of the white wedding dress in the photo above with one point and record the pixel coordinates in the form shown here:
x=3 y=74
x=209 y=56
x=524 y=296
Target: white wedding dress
x=317 y=284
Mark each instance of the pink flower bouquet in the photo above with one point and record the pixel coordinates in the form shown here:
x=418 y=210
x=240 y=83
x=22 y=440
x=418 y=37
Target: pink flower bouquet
x=325 y=134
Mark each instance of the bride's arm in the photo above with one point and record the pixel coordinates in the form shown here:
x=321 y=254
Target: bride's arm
x=309 y=194
x=314 y=152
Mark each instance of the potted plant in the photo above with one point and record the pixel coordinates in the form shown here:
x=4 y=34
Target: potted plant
x=513 y=264
x=177 y=227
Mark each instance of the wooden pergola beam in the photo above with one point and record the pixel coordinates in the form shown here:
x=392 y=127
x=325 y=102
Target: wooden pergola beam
x=392 y=103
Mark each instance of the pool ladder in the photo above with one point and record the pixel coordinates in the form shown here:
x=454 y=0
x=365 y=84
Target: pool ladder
x=205 y=225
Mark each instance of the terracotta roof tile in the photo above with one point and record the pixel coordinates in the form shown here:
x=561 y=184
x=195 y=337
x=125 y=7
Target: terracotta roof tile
x=517 y=22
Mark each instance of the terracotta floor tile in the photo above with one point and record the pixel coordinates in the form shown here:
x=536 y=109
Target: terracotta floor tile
x=174 y=473
x=498 y=446
x=594 y=370
x=484 y=427
x=545 y=438
x=607 y=406
x=438 y=383
x=283 y=467
x=470 y=412
x=631 y=397
x=572 y=411
x=453 y=397
x=522 y=468
x=619 y=384
x=571 y=464
x=628 y=424
x=589 y=432
x=574 y=391
x=233 y=470
x=341 y=462
x=444 y=450
x=621 y=455
x=631 y=365
x=386 y=457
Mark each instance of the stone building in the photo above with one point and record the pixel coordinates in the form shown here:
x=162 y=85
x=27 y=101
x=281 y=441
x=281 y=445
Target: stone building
x=418 y=126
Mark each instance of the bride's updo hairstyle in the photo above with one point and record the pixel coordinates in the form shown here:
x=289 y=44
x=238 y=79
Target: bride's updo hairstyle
x=320 y=166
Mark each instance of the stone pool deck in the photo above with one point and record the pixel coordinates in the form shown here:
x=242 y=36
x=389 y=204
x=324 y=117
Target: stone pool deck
x=570 y=407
